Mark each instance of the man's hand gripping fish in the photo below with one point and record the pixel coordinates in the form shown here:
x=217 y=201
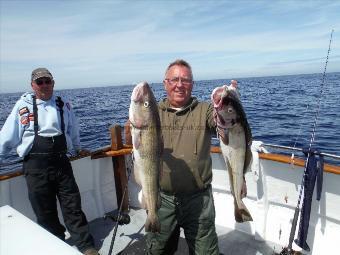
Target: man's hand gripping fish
x=147 y=150
x=235 y=141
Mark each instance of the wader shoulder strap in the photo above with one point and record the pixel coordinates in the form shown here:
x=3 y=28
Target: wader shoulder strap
x=60 y=105
x=35 y=114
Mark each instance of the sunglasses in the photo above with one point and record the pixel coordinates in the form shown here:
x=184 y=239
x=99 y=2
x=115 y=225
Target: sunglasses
x=40 y=82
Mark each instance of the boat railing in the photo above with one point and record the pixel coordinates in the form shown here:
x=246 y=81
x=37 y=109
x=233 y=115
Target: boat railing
x=119 y=150
x=298 y=149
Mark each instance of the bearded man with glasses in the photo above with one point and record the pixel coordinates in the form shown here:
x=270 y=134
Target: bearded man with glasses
x=45 y=131
x=186 y=195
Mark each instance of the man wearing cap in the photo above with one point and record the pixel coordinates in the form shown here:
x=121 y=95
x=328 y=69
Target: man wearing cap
x=43 y=129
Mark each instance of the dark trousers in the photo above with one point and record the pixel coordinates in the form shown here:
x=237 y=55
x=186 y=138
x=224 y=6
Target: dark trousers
x=51 y=177
x=195 y=214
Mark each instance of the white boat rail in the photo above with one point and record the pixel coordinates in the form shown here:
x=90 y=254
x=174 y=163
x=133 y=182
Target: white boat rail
x=299 y=149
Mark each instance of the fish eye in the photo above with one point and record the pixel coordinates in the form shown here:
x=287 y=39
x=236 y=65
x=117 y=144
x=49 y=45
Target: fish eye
x=146 y=104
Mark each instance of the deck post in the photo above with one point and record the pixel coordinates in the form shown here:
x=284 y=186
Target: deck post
x=119 y=167
x=127 y=133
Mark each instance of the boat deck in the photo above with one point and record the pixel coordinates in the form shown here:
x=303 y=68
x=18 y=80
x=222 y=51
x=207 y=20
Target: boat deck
x=130 y=238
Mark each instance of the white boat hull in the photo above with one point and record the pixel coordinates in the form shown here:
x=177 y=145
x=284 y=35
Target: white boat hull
x=273 y=189
x=272 y=198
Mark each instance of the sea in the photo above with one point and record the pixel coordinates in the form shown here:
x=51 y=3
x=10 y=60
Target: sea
x=283 y=110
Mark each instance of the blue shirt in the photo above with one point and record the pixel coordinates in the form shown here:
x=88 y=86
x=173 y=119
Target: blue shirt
x=18 y=130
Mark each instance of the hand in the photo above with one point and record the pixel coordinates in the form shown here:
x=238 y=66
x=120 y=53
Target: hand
x=233 y=84
x=83 y=152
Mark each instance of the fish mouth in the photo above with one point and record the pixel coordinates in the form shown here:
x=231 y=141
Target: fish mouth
x=139 y=91
x=217 y=96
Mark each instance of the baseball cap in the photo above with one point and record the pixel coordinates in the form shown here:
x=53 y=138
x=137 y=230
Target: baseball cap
x=41 y=72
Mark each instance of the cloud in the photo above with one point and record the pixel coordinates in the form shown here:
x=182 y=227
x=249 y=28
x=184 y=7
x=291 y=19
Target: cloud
x=336 y=57
x=116 y=42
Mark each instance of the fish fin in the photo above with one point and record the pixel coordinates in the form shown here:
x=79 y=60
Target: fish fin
x=136 y=175
x=224 y=136
x=143 y=204
x=141 y=199
x=162 y=145
x=152 y=224
x=136 y=138
x=230 y=175
x=160 y=173
x=244 y=188
x=159 y=201
x=248 y=159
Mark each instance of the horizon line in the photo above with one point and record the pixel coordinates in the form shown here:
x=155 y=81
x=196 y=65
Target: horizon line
x=151 y=83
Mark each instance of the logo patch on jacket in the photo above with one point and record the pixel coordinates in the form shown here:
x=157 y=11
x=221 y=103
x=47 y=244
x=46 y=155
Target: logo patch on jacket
x=31 y=117
x=24 y=120
x=23 y=110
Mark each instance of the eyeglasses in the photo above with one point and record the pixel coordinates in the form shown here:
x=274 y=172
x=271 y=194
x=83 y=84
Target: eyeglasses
x=40 y=82
x=174 y=81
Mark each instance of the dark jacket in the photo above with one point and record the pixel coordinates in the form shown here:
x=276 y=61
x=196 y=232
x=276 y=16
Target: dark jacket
x=187 y=138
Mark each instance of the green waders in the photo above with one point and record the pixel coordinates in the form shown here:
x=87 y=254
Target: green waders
x=194 y=213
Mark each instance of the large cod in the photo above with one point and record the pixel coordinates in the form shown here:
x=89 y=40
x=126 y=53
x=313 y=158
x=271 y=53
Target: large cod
x=147 y=150
x=235 y=141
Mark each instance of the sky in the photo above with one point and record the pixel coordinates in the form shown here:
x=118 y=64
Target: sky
x=107 y=43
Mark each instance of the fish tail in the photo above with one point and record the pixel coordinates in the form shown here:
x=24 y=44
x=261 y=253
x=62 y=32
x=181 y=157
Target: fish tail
x=152 y=224
x=241 y=212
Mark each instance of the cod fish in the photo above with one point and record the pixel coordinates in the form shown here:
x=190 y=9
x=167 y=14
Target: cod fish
x=235 y=141
x=147 y=150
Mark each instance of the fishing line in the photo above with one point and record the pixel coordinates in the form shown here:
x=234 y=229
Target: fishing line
x=297 y=209
x=119 y=216
x=300 y=129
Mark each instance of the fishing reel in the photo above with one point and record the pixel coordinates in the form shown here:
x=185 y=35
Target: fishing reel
x=122 y=219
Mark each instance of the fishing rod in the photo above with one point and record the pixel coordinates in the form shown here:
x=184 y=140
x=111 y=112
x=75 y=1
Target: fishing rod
x=289 y=249
x=132 y=239
x=120 y=218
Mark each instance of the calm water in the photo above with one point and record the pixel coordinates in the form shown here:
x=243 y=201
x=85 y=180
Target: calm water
x=280 y=109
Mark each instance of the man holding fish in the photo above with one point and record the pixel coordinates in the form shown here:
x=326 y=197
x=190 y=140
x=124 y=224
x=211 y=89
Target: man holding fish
x=180 y=183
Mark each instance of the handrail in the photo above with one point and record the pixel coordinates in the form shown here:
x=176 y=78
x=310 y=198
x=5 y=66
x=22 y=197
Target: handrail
x=299 y=149
x=286 y=159
x=127 y=149
x=10 y=175
x=102 y=153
